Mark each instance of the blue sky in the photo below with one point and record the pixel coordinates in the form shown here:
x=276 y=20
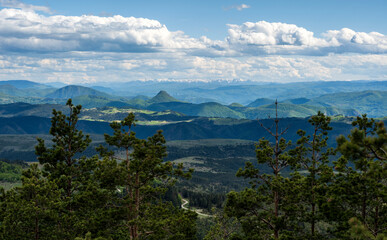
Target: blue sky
x=281 y=41
x=209 y=17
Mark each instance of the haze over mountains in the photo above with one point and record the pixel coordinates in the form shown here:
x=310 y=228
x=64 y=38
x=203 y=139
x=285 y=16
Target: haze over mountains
x=213 y=99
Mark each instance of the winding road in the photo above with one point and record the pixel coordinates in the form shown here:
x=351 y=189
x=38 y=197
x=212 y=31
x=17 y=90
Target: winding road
x=185 y=202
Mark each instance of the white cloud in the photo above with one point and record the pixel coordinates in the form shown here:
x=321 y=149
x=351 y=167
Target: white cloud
x=239 y=7
x=28 y=31
x=169 y=66
x=91 y=48
x=282 y=38
x=26 y=7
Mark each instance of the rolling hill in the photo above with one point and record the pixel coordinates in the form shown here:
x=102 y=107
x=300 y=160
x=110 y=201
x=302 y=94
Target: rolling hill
x=374 y=103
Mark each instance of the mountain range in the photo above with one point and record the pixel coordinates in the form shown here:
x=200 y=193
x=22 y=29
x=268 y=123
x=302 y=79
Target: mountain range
x=353 y=103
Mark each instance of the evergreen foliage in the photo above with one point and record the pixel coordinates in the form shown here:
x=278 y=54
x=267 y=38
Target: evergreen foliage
x=317 y=200
x=311 y=156
x=76 y=196
x=128 y=191
x=265 y=209
x=360 y=189
x=144 y=178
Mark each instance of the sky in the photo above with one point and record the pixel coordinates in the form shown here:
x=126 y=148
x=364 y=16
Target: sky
x=92 y=41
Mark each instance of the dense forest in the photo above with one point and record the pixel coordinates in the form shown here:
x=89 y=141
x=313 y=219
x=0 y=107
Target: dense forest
x=303 y=189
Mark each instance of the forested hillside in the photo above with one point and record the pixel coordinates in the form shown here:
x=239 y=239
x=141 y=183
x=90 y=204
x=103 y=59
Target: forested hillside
x=320 y=185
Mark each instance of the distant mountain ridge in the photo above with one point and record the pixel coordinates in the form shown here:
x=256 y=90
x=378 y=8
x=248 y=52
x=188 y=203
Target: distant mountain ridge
x=23 y=84
x=372 y=102
x=72 y=91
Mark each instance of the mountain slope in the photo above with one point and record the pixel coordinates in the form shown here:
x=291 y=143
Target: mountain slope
x=260 y=102
x=163 y=96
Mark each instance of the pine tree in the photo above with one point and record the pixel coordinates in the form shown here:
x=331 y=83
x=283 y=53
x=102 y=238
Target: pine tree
x=311 y=156
x=361 y=189
x=265 y=210
x=143 y=177
x=81 y=199
x=29 y=211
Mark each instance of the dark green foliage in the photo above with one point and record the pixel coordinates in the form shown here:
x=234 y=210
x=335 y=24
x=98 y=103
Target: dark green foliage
x=359 y=231
x=265 y=209
x=315 y=203
x=11 y=172
x=30 y=211
x=76 y=196
x=144 y=178
x=204 y=200
x=73 y=175
x=59 y=161
x=223 y=227
x=360 y=189
x=312 y=157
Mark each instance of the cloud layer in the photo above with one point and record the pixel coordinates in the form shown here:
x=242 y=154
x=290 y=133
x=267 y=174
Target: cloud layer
x=91 y=48
x=26 y=7
x=29 y=31
x=22 y=30
x=282 y=38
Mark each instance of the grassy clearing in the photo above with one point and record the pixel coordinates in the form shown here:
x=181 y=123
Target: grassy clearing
x=156 y=122
x=207 y=142
x=9 y=185
x=192 y=159
x=113 y=110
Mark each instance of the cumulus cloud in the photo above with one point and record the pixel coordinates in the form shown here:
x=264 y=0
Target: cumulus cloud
x=21 y=5
x=93 y=48
x=282 y=38
x=29 y=31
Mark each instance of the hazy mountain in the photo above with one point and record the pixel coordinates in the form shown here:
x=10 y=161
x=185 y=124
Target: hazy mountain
x=243 y=92
x=297 y=101
x=163 y=96
x=23 y=84
x=72 y=91
x=95 y=101
x=374 y=103
x=260 y=102
x=103 y=89
x=11 y=90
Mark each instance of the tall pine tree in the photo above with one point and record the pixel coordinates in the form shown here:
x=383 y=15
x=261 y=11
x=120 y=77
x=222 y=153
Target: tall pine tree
x=360 y=190
x=143 y=177
x=313 y=174
x=266 y=209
